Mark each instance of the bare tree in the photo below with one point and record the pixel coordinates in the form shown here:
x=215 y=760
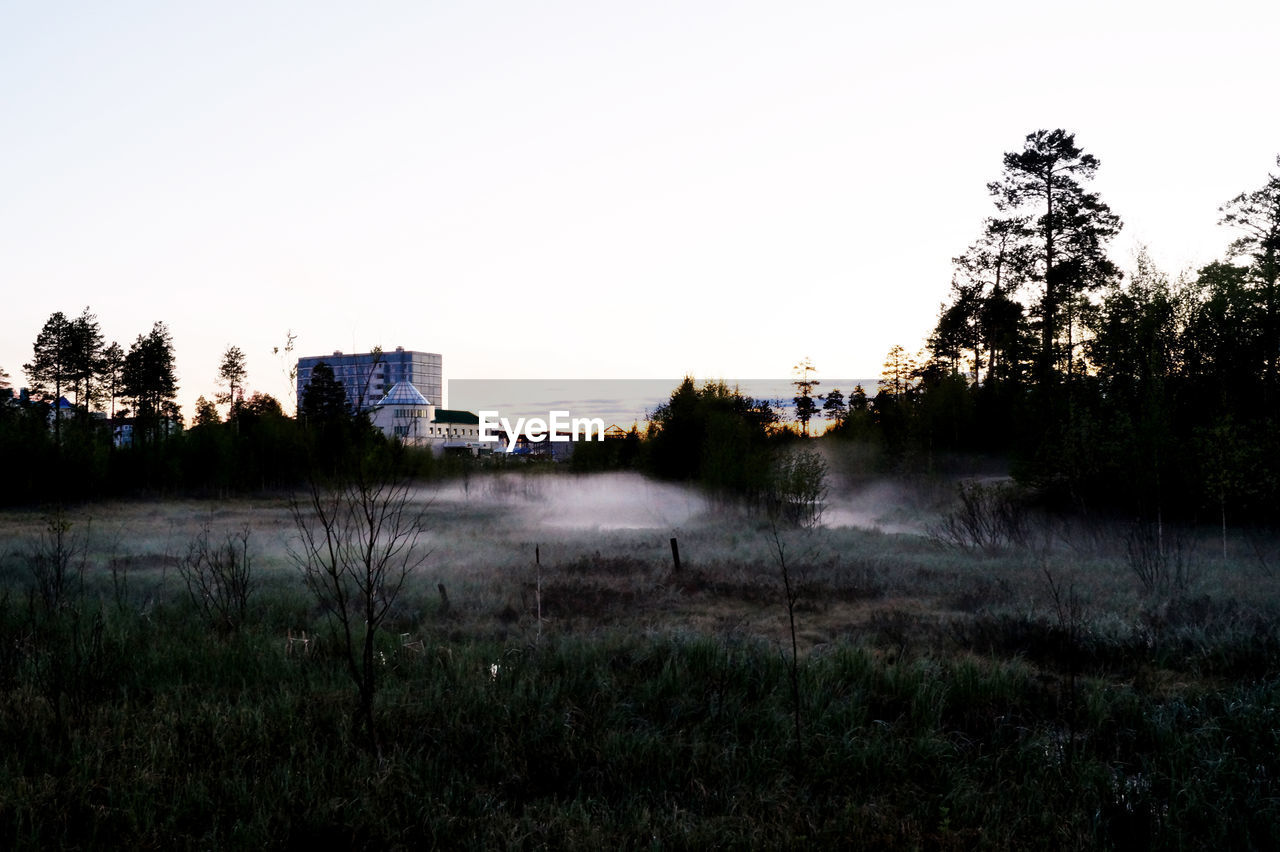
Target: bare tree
x=358 y=543
x=57 y=563
x=791 y=589
x=219 y=578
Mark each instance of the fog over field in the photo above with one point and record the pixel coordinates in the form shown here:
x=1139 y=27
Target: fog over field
x=625 y=500
x=603 y=542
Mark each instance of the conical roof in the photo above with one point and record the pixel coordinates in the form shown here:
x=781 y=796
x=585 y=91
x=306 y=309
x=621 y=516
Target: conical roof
x=403 y=393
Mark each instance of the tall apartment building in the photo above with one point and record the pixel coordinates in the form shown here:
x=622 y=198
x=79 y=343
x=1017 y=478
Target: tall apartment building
x=367 y=376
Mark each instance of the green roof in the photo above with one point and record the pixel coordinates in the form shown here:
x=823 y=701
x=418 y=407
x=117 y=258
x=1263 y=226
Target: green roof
x=453 y=415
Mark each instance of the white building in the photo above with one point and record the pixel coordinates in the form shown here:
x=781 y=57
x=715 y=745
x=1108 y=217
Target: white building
x=405 y=414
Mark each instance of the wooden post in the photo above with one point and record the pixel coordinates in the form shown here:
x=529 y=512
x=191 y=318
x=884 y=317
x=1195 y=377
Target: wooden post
x=675 y=555
x=537 y=561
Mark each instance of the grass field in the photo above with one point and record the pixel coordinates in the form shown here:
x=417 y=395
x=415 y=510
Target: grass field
x=1085 y=686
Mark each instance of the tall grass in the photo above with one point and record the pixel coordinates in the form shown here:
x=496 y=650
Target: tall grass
x=946 y=701
x=632 y=740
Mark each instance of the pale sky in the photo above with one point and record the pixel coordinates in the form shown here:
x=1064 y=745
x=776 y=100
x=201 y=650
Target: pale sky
x=583 y=189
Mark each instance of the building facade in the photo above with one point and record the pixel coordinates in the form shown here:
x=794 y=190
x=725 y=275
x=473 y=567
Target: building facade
x=368 y=376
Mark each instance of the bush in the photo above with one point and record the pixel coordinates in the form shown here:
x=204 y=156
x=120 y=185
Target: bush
x=1161 y=567
x=219 y=578
x=797 y=487
x=989 y=517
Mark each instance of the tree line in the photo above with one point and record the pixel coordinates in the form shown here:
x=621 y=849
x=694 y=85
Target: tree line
x=1110 y=390
x=1119 y=390
x=97 y=421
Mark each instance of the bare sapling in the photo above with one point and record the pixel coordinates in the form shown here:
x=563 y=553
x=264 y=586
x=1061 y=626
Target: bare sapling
x=57 y=563
x=1162 y=568
x=790 y=596
x=1068 y=608
x=358 y=543
x=219 y=578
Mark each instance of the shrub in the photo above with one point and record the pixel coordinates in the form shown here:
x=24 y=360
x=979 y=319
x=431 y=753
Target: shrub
x=988 y=517
x=219 y=578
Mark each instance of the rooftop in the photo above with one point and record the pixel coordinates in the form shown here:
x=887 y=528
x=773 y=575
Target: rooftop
x=403 y=393
x=453 y=415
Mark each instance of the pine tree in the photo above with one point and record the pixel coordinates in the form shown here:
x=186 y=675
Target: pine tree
x=149 y=381
x=50 y=368
x=1071 y=229
x=231 y=373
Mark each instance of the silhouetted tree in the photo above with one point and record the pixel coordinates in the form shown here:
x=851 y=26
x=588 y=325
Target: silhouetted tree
x=50 y=369
x=111 y=374
x=1256 y=217
x=206 y=414
x=858 y=399
x=324 y=400
x=833 y=406
x=713 y=434
x=231 y=373
x=262 y=405
x=84 y=354
x=898 y=374
x=1221 y=346
x=804 y=402
x=986 y=276
x=150 y=384
x=1071 y=228
x=1135 y=332
x=891 y=407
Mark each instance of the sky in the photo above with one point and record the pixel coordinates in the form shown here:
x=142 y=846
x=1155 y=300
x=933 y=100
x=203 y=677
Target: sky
x=586 y=190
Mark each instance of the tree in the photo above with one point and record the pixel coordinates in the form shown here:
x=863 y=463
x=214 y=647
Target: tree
x=1256 y=217
x=1071 y=228
x=111 y=374
x=84 y=355
x=288 y=364
x=358 y=543
x=1221 y=346
x=324 y=399
x=986 y=276
x=262 y=405
x=898 y=374
x=833 y=406
x=50 y=367
x=1224 y=458
x=1135 y=332
x=715 y=435
x=4 y=379
x=206 y=413
x=858 y=399
x=231 y=373
x=149 y=382
x=806 y=407
x=364 y=397
x=958 y=329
